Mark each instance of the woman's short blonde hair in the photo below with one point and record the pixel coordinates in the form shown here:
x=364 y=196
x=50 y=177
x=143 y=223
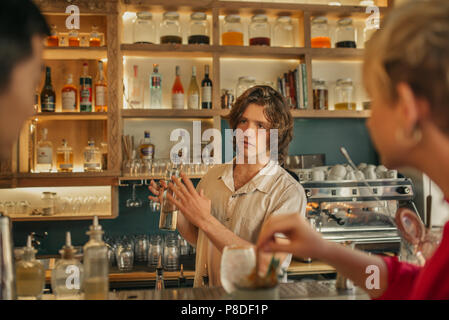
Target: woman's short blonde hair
x=412 y=46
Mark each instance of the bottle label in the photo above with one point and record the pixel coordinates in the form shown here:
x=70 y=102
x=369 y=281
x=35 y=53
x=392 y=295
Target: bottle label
x=69 y=100
x=206 y=93
x=146 y=153
x=86 y=99
x=178 y=101
x=155 y=82
x=66 y=166
x=194 y=101
x=100 y=93
x=48 y=103
x=45 y=155
x=92 y=165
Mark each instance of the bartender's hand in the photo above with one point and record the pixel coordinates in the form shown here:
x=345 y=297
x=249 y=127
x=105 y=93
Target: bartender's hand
x=195 y=207
x=303 y=242
x=158 y=191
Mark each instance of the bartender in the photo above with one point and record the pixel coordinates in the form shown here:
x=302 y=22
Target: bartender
x=233 y=200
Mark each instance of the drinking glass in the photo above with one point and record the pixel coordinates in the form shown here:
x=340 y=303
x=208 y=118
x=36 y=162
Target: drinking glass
x=171 y=253
x=10 y=208
x=141 y=248
x=24 y=207
x=125 y=257
x=155 y=250
x=237 y=263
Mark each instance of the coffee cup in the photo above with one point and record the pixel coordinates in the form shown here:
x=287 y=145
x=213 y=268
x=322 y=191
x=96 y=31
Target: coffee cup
x=337 y=172
x=318 y=175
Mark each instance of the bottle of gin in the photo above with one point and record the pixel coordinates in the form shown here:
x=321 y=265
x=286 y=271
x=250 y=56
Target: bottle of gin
x=30 y=274
x=92 y=157
x=64 y=157
x=155 y=88
x=96 y=265
x=44 y=153
x=146 y=148
x=67 y=275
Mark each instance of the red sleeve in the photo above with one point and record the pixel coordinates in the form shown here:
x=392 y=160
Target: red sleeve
x=401 y=278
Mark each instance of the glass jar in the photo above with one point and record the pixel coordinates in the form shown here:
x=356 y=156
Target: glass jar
x=199 y=29
x=92 y=157
x=171 y=253
x=144 y=30
x=244 y=84
x=74 y=39
x=283 y=32
x=259 y=31
x=227 y=98
x=345 y=34
x=94 y=37
x=345 y=95
x=53 y=39
x=48 y=203
x=232 y=31
x=125 y=258
x=320 y=33
x=320 y=94
x=170 y=29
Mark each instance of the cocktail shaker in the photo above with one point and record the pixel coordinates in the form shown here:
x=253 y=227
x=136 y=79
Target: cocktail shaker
x=7 y=271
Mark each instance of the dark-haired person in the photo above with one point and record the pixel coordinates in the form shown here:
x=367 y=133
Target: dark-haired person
x=235 y=199
x=406 y=73
x=22 y=33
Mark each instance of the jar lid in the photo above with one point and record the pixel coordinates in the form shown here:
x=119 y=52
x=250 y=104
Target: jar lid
x=319 y=20
x=198 y=16
x=47 y=193
x=319 y=82
x=144 y=15
x=171 y=15
x=366 y=3
x=345 y=81
x=285 y=19
x=232 y=18
x=247 y=78
x=259 y=18
x=345 y=21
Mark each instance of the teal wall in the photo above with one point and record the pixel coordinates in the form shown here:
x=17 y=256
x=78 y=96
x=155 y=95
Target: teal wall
x=310 y=136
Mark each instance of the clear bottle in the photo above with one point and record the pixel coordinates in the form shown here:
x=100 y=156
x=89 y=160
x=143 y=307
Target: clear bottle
x=92 y=157
x=144 y=30
x=48 y=203
x=85 y=90
x=67 y=275
x=30 y=274
x=283 y=32
x=232 y=31
x=44 y=154
x=101 y=90
x=170 y=29
x=320 y=33
x=169 y=212
x=178 y=91
x=94 y=37
x=64 y=157
x=96 y=265
x=345 y=95
x=155 y=88
x=206 y=90
x=259 y=31
x=146 y=148
x=199 y=29
x=243 y=84
x=69 y=96
x=345 y=34
x=193 y=100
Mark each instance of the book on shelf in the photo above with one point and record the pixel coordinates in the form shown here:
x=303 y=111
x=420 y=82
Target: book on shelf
x=294 y=88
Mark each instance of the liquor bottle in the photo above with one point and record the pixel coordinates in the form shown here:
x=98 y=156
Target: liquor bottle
x=155 y=88
x=74 y=40
x=30 y=274
x=194 y=92
x=101 y=90
x=85 y=90
x=44 y=154
x=52 y=39
x=146 y=148
x=94 y=37
x=181 y=279
x=67 y=275
x=48 y=97
x=177 y=92
x=64 y=157
x=206 y=90
x=169 y=213
x=92 y=157
x=96 y=265
x=135 y=92
x=69 y=96
x=159 y=275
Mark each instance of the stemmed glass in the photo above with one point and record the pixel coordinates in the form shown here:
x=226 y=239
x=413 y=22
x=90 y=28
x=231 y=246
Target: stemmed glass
x=237 y=263
x=133 y=202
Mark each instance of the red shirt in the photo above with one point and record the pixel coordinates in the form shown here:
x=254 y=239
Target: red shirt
x=407 y=281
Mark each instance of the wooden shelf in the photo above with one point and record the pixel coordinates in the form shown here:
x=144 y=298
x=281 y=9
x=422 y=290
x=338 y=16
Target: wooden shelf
x=336 y=54
x=169 y=113
x=342 y=114
x=173 y=50
x=65 y=179
x=72 y=115
x=62 y=217
x=75 y=53
x=261 y=52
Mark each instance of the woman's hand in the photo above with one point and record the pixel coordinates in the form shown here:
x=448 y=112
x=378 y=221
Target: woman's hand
x=158 y=191
x=194 y=206
x=304 y=242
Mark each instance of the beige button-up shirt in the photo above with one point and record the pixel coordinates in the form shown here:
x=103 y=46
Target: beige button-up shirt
x=272 y=191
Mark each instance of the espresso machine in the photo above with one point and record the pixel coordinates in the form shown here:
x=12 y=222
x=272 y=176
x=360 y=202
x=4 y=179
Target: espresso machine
x=357 y=211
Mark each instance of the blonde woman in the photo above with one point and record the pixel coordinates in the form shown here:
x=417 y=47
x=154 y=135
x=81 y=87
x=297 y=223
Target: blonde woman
x=406 y=73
